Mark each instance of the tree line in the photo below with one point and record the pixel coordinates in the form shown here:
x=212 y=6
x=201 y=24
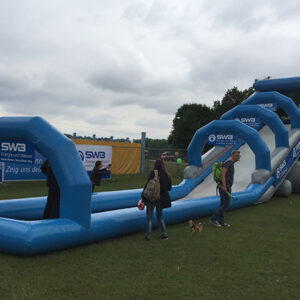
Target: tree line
x=192 y=116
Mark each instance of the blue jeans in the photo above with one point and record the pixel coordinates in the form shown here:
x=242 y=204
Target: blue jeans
x=149 y=212
x=225 y=203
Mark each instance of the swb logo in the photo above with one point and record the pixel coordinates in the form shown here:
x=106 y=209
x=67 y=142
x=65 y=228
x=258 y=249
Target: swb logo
x=222 y=139
x=214 y=137
x=15 y=147
x=91 y=154
x=81 y=155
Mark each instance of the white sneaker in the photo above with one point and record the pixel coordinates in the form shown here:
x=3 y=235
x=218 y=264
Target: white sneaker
x=216 y=223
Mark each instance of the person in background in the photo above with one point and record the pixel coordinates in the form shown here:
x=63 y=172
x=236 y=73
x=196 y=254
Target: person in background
x=52 y=207
x=97 y=173
x=163 y=157
x=217 y=218
x=163 y=202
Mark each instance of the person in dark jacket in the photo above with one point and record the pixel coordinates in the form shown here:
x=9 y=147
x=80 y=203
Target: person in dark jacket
x=163 y=202
x=97 y=173
x=52 y=207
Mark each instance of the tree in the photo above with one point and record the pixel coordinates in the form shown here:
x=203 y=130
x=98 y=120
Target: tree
x=294 y=96
x=189 y=118
x=232 y=98
x=155 y=143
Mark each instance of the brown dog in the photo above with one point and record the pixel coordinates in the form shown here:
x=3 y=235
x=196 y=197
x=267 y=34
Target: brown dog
x=195 y=227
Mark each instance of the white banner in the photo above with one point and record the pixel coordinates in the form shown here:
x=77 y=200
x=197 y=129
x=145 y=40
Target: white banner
x=91 y=153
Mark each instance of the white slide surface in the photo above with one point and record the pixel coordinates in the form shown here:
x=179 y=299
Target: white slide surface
x=243 y=169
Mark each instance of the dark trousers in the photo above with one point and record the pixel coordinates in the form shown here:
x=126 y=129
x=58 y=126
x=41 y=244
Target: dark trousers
x=53 y=205
x=224 y=205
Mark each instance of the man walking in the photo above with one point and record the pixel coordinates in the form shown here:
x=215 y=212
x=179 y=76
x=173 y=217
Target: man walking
x=217 y=218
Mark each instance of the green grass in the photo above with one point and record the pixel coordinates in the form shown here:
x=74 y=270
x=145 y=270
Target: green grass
x=257 y=258
x=14 y=190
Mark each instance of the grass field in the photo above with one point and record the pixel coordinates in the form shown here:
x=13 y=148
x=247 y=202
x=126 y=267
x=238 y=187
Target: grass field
x=13 y=190
x=257 y=258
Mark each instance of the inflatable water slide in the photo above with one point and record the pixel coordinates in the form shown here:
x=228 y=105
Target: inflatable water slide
x=269 y=165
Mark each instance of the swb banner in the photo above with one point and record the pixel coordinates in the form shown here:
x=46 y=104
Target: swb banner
x=89 y=154
x=17 y=152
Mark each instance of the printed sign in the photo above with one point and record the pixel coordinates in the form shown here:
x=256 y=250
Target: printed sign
x=269 y=106
x=17 y=152
x=251 y=122
x=16 y=171
x=89 y=154
x=223 y=139
x=282 y=169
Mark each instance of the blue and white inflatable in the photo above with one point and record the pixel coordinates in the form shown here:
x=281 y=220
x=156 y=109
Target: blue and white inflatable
x=87 y=218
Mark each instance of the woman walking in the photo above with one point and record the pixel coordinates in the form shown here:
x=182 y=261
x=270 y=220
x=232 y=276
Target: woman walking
x=163 y=202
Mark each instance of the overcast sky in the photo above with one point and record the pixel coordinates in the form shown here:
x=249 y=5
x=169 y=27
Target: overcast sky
x=120 y=67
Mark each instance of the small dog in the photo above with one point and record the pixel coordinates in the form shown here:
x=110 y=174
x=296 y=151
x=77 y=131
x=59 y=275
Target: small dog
x=195 y=227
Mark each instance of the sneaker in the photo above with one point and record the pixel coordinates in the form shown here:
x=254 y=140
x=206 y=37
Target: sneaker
x=225 y=225
x=147 y=238
x=215 y=222
x=163 y=237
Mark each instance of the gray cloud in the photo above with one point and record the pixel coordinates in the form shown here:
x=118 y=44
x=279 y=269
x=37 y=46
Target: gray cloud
x=103 y=118
x=130 y=81
x=162 y=105
x=136 y=11
x=118 y=67
x=250 y=15
x=52 y=95
x=131 y=74
x=119 y=79
x=152 y=121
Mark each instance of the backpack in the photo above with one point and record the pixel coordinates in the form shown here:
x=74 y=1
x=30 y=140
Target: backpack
x=152 y=190
x=217 y=171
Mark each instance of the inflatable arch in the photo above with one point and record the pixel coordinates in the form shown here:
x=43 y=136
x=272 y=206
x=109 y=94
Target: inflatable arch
x=251 y=136
x=74 y=183
x=284 y=85
x=286 y=103
x=267 y=116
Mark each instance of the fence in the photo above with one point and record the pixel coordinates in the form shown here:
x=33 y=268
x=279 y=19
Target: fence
x=175 y=159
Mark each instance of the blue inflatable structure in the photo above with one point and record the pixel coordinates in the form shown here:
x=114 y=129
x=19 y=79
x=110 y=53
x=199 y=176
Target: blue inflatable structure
x=86 y=218
x=267 y=117
x=248 y=134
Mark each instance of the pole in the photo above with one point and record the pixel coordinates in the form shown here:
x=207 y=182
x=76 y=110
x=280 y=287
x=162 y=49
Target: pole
x=143 y=142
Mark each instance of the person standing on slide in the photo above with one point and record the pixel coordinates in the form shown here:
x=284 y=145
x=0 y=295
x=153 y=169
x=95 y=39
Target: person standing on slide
x=217 y=218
